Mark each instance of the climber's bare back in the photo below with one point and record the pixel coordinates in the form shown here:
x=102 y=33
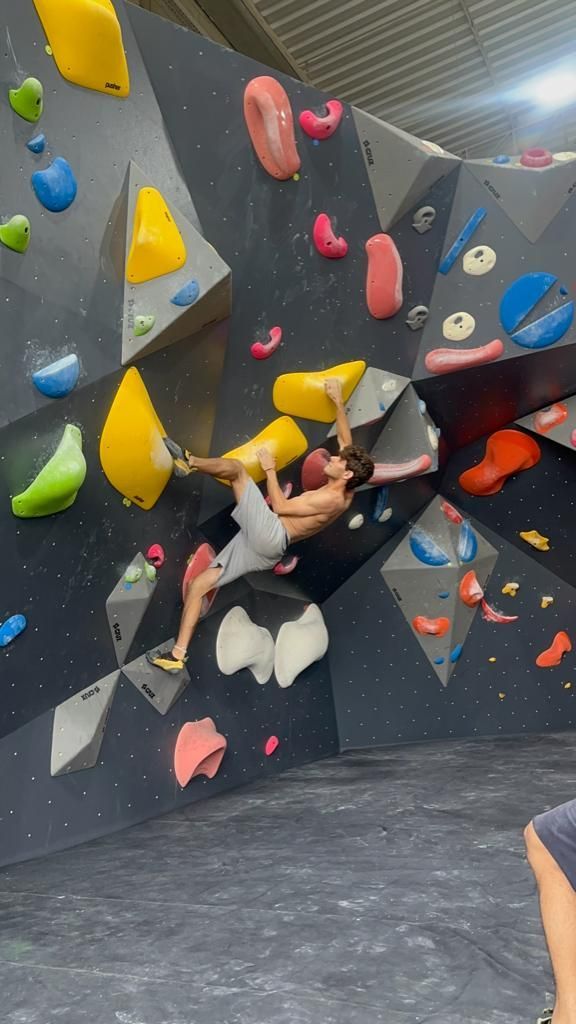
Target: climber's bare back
x=330 y=506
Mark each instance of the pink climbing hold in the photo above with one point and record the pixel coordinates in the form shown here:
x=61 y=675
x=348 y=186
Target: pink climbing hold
x=262 y=350
x=573 y=438
x=286 y=491
x=491 y=615
x=285 y=568
x=384 y=278
x=155 y=555
x=452 y=514
x=322 y=126
x=393 y=472
x=198 y=562
x=448 y=360
x=199 y=751
x=272 y=744
x=536 y=157
x=325 y=240
x=268 y=116
x=313 y=475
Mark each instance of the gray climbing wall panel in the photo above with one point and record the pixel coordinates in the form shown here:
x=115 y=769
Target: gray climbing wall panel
x=531 y=198
x=161 y=689
x=376 y=394
x=409 y=433
x=79 y=725
x=126 y=606
x=556 y=422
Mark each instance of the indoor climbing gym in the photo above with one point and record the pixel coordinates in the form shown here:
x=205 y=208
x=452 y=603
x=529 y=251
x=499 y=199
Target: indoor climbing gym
x=287 y=512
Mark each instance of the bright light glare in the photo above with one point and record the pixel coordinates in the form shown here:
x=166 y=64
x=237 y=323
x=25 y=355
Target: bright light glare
x=554 y=90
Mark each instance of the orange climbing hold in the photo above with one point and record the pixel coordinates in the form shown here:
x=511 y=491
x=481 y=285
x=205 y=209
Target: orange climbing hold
x=270 y=124
x=553 y=655
x=507 y=452
x=470 y=591
x=431 y=627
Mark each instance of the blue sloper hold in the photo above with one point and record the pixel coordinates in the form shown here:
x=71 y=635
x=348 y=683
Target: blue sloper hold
x=467 y=543
x=455 y=654
x=462 y=240
x=12 y=628
x=381 y=504
x=187 y=294
x=59 y=378
x=55 y=187
x=37 y=144
x=502 y=159
x=547 y=330
x=522 y=296
x=425 y=549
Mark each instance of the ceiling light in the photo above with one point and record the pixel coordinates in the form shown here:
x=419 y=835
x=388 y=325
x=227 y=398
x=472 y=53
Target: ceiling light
x=553 y=90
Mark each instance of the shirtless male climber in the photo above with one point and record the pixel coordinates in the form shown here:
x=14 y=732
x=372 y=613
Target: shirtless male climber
x=265 y=532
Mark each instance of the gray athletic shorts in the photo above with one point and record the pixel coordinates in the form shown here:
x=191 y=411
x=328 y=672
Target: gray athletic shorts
x=260 y=542
x=557 y=830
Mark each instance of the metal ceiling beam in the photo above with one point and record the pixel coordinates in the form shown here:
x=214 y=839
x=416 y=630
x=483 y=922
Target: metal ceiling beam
x=485 y=57
x=233 y=23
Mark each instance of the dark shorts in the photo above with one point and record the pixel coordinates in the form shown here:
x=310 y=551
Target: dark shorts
x=260 y=543
x=557 y=830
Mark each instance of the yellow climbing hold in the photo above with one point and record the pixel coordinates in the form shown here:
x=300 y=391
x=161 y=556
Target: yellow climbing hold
x=511 y=589
x=546 y=600
x=283 y=439
x=303 y=394
x=86 y=40
x=48 y=50
x=492 y=659
x=567 y=686
x=157 y=246
x=134 y=457
x=536 y=540
x=501 y=695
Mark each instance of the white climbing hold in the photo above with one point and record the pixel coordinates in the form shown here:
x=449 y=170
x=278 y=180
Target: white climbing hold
x=242 y=644
x=458 y=326
x=356 y=522
x=479 y=260
x=386 y=515
x=299 y=644
x=565 y=156
x=432 y=438
x=433 y=147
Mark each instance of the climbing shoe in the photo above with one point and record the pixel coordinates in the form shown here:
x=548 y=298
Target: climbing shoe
x=166 y=661
x=545 y=1017
x=180 y=456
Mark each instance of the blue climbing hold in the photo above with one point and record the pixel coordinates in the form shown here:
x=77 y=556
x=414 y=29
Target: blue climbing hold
x=455 y=654
x=12 y=628
x=187 y=294
x=421 y=406
x=522 y=296
x=55 y=187
x=438 y=661
x=444 y=594
x=315 y=142
x=563 y=290
x=502 y=159
x=425 y=549
x=381 y=504
x=381 y=406
x=58 y=379
x=37 y=144
x=547 y=330
x=467 y=543
x=464 y=237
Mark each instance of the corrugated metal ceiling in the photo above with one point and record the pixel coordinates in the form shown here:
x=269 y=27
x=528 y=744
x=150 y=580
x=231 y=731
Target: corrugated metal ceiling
x=445 y=70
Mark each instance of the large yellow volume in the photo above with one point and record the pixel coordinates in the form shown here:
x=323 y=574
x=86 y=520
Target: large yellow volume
x=157 y=246
x=283 y=439
x=303 y=394
x=133 y=455
x=86 y=40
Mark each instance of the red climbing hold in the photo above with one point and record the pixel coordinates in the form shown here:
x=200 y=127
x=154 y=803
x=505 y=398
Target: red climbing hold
x=272 y=744
x=491 y=615
x=155 y=555
x=451 y=513
x=322 y=126
x=313 y=475
x=553 y=655
x=470 y=591
x=384 y=278
x=448 y=360
x=262 y=350
x=507 y=452
x=198 y=562
x=285 y=568
x=536 y=157
x=325 y=240
x=393 y=472
x=431 y=627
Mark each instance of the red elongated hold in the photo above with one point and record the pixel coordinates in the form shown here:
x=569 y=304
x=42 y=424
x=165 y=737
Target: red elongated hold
x=448 y=360
x=325 y=240
x=431 y=627
x=553 y=655
x=546 y=419
x=491 y=615
x=384 y=278
x=262 y=350
x=451 y=513
x=272 y=744
x=319 y=126
x=155 y=555
x=286 y=491
x=285 y=568
x=470 y=591
x=268 y=116
x=392 y=472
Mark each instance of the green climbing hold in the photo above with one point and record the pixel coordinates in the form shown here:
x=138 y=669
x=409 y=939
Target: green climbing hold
x=57 y=484
x=132 y=574
x=151 y=573
x=143 y=324
x=15 y=233
x=28 y=100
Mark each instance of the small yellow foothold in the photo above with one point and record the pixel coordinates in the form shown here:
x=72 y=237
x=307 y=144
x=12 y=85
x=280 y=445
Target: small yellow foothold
x=48 y=50
x=501 y=695
x=567 y=686
x=492 y=659
x=126 y=502
x=511 y=589
x=546 y=600
x=296 y=177
x=536 y=540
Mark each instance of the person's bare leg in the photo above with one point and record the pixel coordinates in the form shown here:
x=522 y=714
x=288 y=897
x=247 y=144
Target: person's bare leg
x=558 y=910
x=231 y=470
x=198 y=588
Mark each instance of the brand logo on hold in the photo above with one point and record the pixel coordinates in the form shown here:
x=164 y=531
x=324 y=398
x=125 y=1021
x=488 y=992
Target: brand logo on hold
x=112 y=85
x=147 y=690
x=91 y=693
x=396 y=594
x=117 y=633
x=491 y=189
x=369 y=157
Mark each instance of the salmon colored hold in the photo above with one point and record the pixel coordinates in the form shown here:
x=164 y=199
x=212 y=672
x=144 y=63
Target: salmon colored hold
x=384 y=278
x=452 y=514
x=199 y=751
x=470 y=591
x=553 y=655
x=507 y=452
x=198 y=562
x=431 y=627
x=270 y=124
x=448 y=360
x=490 y=614
x=392 y=472
x=547 y=419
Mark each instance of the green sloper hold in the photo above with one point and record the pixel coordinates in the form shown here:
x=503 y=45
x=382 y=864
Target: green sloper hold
x=28 y=100
x=143 y=324
x=56 y=486
x=15 y=233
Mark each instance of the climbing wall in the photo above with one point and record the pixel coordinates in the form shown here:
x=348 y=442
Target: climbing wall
x=170 y=269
